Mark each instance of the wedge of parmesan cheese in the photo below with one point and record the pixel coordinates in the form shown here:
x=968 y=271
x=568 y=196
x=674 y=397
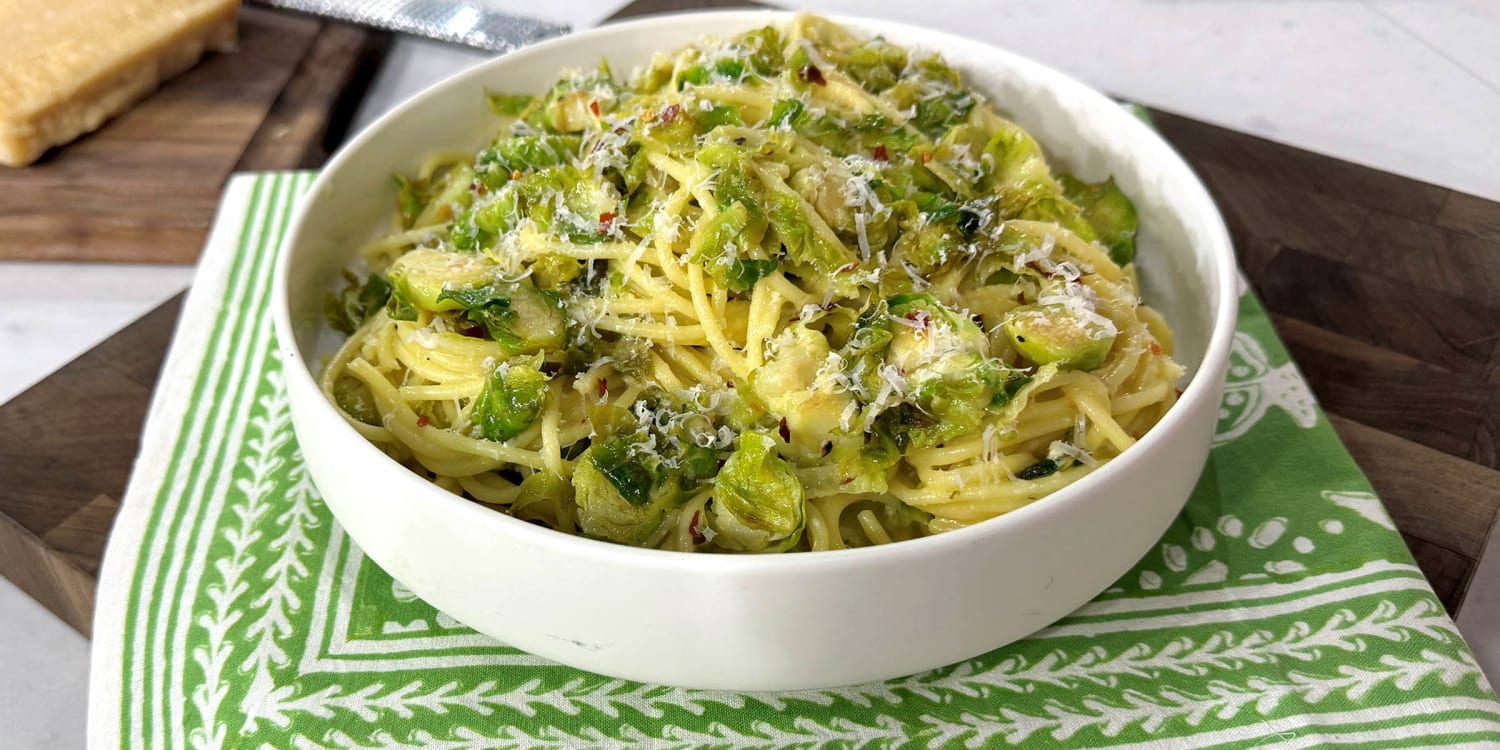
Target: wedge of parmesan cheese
x=66 y=66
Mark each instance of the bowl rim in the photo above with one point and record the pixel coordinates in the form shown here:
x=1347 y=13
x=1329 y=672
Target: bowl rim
x=1199 y=389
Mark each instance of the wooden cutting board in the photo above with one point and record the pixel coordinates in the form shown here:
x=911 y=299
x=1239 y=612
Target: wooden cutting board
x=1386 y=290
x=144 y=187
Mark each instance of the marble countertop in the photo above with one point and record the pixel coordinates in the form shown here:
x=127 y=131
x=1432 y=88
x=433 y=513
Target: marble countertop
x=1406 y=86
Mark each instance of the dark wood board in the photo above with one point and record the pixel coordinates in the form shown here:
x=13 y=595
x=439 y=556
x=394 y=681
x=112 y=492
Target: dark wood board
x=144 y=187
x=1382 y=287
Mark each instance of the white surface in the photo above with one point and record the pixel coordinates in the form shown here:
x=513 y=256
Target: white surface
x=54 y=312
x=43 y=676
x=463 y=558
x=1431 y=67
x=1479 y=620
x=1408 y=87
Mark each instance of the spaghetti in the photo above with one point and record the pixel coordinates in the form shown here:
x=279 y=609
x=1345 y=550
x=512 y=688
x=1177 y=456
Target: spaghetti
x=792 y=290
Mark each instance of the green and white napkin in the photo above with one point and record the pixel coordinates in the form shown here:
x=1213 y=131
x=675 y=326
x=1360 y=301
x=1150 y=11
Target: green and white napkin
x=1282 y=610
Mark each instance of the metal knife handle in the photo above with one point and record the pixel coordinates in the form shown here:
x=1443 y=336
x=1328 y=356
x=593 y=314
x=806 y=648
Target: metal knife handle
x=459 y=21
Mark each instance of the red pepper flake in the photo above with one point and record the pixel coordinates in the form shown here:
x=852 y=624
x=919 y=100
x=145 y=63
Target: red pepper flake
x=606 y=222
x=482 y=190
x=670 y=113
x=786 y=431
x=423 y=421
x=693 y=530
x=811 y=74
x=848 y=267
x=926 y=157
x=846 y=480
x=1155 y=348
x=594 y=106
x=880 y=153
x=474 y=332
x=1179 y=392
x=920 y=317
x=601 y=386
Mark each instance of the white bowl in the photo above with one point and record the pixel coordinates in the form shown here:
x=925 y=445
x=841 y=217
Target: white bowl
x=788 y=621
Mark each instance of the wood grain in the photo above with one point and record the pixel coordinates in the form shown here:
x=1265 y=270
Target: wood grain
x=145 y=186
x=1450 y=518
x=67 y=445
x=1383 y=288
x=1398 y=394
x=313 y=111
x=1402 y=316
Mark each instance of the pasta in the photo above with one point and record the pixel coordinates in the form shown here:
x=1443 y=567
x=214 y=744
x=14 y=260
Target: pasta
x=792 y=290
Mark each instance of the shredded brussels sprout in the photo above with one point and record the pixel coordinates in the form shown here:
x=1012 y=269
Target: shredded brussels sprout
x=787 y=290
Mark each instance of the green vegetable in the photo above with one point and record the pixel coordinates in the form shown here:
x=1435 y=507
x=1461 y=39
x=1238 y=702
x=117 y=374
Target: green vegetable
x=512 y=398
x=955 y=396
x=565 y=200
x=546 y=498
x=925 y=245
x=1058 y=333
x=465 y=235
x=788 y=213
x=1108 y=211
x=613 y=493
x=865 y=351
x=571 y=104
x=1002 y=276
x=930 y=333
x=793 y=221
x=499 y=215
x=742 y=274
x=759 y=504
x=399 y=306
x=350 y=308
x=936 y=93
x=721 y=114
x=517 y=315
x=877 y=64
x=716 y=240
x=694 y=75
x=720 y=243
x=763 y=50
x=509 y=105
x=434 y=197
x=1043 y=468
x=551 y=271
x=408 y=203
x=420 y=278
x=857 y=136
x=899 y=424
x=523 y=152
x=353 y=397
x=642 y=463
x=736 y=182
x=787 y=112
x=672 y=129
x=951 y=384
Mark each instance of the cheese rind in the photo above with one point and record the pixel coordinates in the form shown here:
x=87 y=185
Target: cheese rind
x=67 y=66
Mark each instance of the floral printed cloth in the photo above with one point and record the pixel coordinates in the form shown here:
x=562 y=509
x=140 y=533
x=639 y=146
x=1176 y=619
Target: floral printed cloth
x=1281 y=610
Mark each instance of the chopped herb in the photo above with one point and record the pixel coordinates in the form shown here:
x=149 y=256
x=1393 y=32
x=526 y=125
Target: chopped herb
x=1043 y=468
